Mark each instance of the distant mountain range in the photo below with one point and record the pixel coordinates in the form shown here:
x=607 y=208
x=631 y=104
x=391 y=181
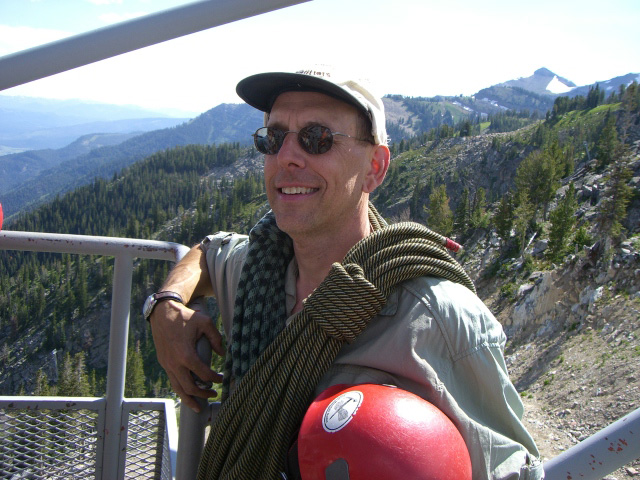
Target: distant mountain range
x=539 y=91
x=33 y=177
x=16 y=169
x=36 y=123
x=543 y=82
x=65 y=169
x=607 y=86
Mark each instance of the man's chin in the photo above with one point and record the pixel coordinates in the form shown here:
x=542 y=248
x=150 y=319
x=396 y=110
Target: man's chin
x=292 y=224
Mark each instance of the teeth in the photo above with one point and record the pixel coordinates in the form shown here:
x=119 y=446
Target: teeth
x=296 y=190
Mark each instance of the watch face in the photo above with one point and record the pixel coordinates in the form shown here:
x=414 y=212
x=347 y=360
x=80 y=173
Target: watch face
x=152 y=301
x=148 y=306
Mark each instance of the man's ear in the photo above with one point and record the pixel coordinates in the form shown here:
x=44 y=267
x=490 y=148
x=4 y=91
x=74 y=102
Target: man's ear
x=378 y=165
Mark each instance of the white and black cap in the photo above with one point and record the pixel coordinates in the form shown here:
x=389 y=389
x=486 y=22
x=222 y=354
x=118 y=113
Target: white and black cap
x=261 y=90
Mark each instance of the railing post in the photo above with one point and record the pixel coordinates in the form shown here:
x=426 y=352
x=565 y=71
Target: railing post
x=192 y=428
x=192 y=425
x=112 y=459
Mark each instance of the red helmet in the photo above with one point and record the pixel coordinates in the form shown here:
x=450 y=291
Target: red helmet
x=379 y=432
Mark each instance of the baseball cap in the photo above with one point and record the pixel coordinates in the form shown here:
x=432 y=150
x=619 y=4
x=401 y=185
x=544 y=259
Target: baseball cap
x=261 y=90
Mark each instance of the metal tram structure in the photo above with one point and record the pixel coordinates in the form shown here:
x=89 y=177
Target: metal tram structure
x=114 y=437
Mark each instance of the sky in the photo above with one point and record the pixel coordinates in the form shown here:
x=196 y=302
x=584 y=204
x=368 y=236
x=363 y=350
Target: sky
x=407 y=47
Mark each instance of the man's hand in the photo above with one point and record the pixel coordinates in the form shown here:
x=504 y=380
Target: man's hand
x=176 y=330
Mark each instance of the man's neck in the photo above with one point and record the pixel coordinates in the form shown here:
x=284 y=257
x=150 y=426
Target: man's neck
x=315 y=256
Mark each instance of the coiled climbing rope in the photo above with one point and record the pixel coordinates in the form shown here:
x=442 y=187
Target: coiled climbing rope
x=256 y=424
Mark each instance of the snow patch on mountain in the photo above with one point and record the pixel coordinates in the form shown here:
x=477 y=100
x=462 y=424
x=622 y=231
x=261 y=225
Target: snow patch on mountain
x=557 y=87
x=463 y=106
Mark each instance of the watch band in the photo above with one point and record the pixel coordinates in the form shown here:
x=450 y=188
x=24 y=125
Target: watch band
x=154 y=299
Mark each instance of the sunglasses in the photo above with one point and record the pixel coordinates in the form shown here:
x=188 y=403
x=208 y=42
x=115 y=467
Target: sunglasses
x=314 y=139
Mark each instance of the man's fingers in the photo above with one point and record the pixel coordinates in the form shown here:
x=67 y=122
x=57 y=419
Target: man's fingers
x=204 y=327
x=187 y=389
x=213 y=335
x=187 y=399
x=202 y=370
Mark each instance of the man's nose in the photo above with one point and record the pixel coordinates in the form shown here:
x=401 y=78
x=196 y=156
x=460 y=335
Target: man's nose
x=291 y=154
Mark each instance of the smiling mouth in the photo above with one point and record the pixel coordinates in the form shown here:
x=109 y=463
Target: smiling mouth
x=297 y=190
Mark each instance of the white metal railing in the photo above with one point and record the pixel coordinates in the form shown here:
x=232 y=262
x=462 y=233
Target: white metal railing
x=111 y=423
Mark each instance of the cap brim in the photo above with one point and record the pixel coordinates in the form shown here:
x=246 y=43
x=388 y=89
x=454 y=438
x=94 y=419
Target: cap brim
x=261 y=90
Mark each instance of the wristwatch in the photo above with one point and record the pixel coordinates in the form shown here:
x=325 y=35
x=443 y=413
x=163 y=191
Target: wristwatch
x=153 y=299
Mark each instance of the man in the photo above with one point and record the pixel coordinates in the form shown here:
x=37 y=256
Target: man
x=325 y=150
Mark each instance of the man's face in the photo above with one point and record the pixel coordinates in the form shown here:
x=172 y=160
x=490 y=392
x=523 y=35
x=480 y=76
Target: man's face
x=316 y=194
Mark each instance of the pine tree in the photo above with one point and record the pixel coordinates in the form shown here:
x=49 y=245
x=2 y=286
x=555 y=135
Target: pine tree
x=503 y=218
x=41 y=388
x=631 y=98
x=65 y=376
x=415 y=207
x=616 y=197
x=562 y=222
x=537 y=175
x=134 y=379
x=82 y=285
x=595 y=97
x=567 y=165
x=479 y=204
x=556 y=157
x=581 y=238
x=461 y=218
x=522 y=216
x=73 y=380
x=608 y=143
x=465 y=128
x=93 y=384
x=440 y=216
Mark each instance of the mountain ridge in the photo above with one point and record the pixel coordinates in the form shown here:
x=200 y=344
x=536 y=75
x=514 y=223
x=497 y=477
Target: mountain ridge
x=29 y=123
x=212 y=127
x=19 y=168
x=235 y=122
x=539 y=82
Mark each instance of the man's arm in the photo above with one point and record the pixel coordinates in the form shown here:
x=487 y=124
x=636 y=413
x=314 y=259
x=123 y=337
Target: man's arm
x=177 y=328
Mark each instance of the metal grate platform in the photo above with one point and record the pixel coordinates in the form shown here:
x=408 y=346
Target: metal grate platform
x=147 y=451
x=57 y=441
x=54 y=438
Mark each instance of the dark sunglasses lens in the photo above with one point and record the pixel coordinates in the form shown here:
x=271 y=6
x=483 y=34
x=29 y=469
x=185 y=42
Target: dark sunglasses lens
x=315 y=139
x=268 y=140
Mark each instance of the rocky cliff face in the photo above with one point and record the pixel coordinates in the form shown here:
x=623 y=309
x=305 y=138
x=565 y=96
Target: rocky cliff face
x=25 y=357
x=574 y=330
